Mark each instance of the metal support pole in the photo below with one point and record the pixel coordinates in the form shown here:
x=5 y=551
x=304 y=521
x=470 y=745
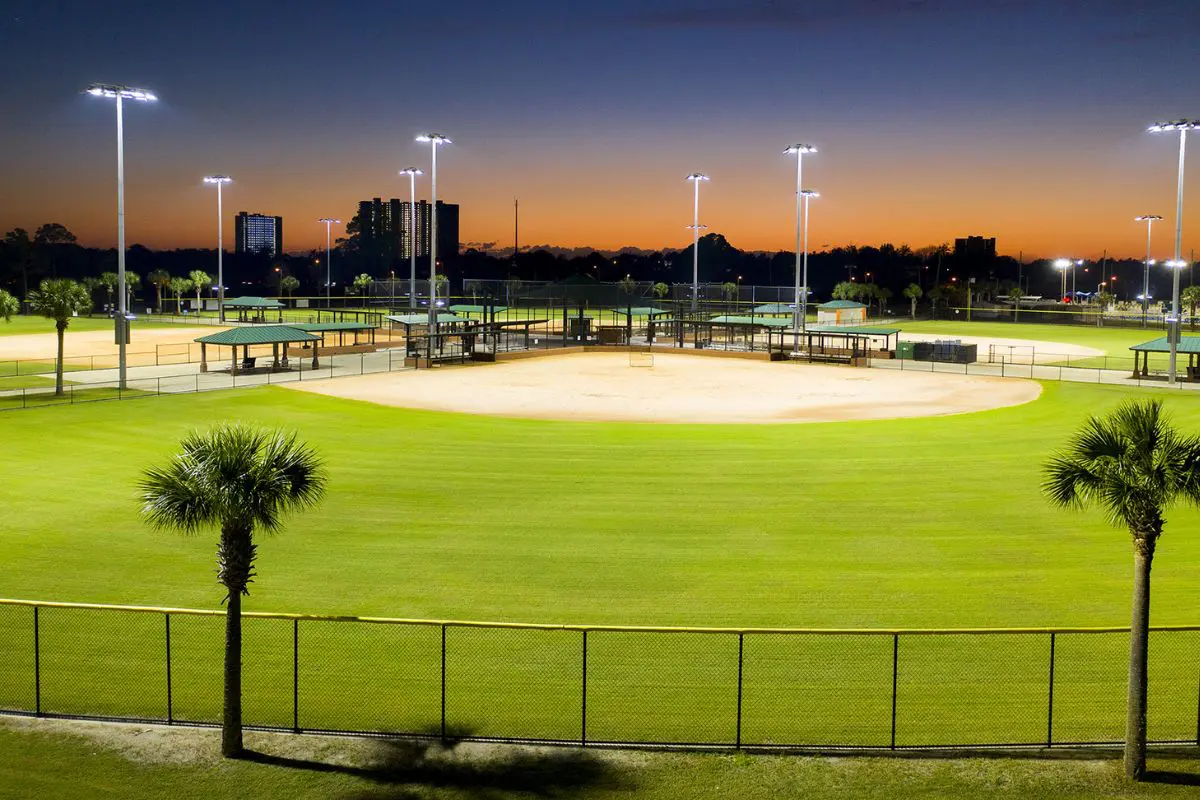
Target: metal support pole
x=696 y=245
x=170 y=708
x=328 y=267
x=583 y=705
x=121 y=297
x=433 y=239
x=412 y=241
x=1050 y=706
x=895 y=676
x=220 y=257
x=741 y=650
x=1146 y=274
x=1173 y=332
x=803 y=302
x=796 y=318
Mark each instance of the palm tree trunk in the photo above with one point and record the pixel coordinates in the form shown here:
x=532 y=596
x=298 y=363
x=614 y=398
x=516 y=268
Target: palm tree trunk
x=231 y=726
x=58 y=365
x=1139 y=633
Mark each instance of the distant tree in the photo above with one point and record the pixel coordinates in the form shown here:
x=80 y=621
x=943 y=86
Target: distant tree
x=240 y=480
x=361 y=282
x=442 y=283
x=661 y=290
x=729 y=290
x=289 y=284
x=60 y=299
x=160 y=279
x=1135 y=465
x=1105 y=300
x=17 y=242
x=179 y=287
x=133 y=281
x=1191 y=298
x=9 y=306
x=1015 y=295
x=847 y=290
x=200 y=281
x=627 y=284
x=48 y=238
x=109 y=281
x=939 y=293
x=913 y=293
x=882 y=294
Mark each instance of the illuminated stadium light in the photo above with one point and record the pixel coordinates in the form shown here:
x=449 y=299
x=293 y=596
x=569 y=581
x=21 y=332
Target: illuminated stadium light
x=220 y=180
x=800 y=302
x=122 y=92
x=1183 y=126
x=433 y=140
x=412 y=173
x=696 y=178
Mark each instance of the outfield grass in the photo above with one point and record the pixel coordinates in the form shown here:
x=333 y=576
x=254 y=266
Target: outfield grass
x=147 y=764
x=26 y=324
x=26 y=381
x=934 y=522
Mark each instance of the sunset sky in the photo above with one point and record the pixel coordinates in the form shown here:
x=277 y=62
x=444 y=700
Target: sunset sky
x=1024 y=120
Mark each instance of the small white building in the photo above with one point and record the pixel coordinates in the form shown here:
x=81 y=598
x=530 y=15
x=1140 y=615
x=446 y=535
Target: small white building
x=841 y=312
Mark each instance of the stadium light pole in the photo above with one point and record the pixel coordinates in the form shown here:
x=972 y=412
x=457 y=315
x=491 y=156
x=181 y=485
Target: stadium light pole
x=1149 y=219
x=1176 y=265
x=120 y=94
x=434 y=139
x=328 y=258
x=1183 y=126
x=1062 y=265
x=220 y=180
x=412 y=173
x=696 y=178
x=807 y=194
x=799 y=151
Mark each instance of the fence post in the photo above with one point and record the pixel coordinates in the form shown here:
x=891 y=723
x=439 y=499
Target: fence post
x=170 y=707
x=1050 y=706
x=895 y=676
x=583 y=706
x=443 y=682
x=296 y=675
x=37 y=665
x=741 y=650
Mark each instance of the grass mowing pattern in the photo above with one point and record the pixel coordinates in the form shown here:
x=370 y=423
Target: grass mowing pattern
x=918 y=523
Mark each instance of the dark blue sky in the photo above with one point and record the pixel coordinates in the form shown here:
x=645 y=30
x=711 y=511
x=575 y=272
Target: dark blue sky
x=935 y=118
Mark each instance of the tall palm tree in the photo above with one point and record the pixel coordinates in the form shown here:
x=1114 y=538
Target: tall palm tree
x=179 y=287
x=9 y=306
x=1015 y=294
x=289 y=284
x=238 y=479
x=1135 y=465
x=1190 y=297
x=200 y=281
x=109 y=281
x=60 y=299
x=161 y=280
x=913 y=293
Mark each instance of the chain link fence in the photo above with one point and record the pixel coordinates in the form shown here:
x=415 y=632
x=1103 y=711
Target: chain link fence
x=753 y=688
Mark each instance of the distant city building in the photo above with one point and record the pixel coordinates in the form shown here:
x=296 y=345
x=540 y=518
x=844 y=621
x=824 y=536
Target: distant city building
x=975 y=248
x=386 y=231
x=258 y=233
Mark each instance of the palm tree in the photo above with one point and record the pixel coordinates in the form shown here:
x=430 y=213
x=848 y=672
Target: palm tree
x=200 y=282
x=179 y=287
x=238 y=479
x=627 y=284
x=289 y=284
x=132 y=281
x=361 y=283
x=661 y=290
x=60 y=299
x=913 y=293
x=160 y=279
x=882 y=294
x=1135 y=465
x=109 y=281
x=9 y=306
x=845 y=290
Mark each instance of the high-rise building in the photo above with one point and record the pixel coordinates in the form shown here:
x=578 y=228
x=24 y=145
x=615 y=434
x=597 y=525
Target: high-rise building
x=258 y=233
x=386 y=234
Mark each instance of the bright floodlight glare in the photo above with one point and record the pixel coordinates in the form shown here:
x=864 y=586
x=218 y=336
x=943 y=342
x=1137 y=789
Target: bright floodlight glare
x=217 y=179
x=799 y=148
x=1147 y=218
x=123 y=92
x=698 y=176
x=1175 y=125
x=1175 y=263
x=329 y=220
x=1063 y=263
x=436 y=138
x=412 y=171
x=810 y=193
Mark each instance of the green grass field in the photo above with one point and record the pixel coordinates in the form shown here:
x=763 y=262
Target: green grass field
x=26 y=324
x=934 y=522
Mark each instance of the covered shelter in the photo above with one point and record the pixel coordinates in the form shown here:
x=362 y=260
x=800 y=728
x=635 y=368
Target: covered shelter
x=841 y=312
x=725 y=332
x=1188 y=345
x=876 y=337
x=254 y=336
x=252 y=309
x=774 y=308
x=340 y=328
x=467 y=309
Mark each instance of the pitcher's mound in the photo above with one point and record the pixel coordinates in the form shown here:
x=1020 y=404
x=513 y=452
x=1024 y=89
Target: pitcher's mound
x=679 y=388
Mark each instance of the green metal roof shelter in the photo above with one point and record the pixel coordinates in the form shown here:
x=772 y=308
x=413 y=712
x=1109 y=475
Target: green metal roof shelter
x=470 y=308
x=245 y=337
x=340 y=328
x=640 y=311
x=765 y=322
x=245 y=306
x=774 y=308
x=833 y=304
x=413 y=320
x=1188 y=345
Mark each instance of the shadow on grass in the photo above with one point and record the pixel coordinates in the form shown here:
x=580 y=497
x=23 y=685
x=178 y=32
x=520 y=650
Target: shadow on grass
x=1172 y=778
x=401 y=767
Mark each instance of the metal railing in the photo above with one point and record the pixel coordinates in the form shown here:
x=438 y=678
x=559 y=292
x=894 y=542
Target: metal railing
x=599 y=684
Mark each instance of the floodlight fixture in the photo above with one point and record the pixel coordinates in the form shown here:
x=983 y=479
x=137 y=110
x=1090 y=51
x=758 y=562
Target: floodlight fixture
x=801 y=149
x=114 y=90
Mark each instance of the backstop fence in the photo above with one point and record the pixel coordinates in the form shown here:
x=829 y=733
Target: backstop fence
x=602 y=685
